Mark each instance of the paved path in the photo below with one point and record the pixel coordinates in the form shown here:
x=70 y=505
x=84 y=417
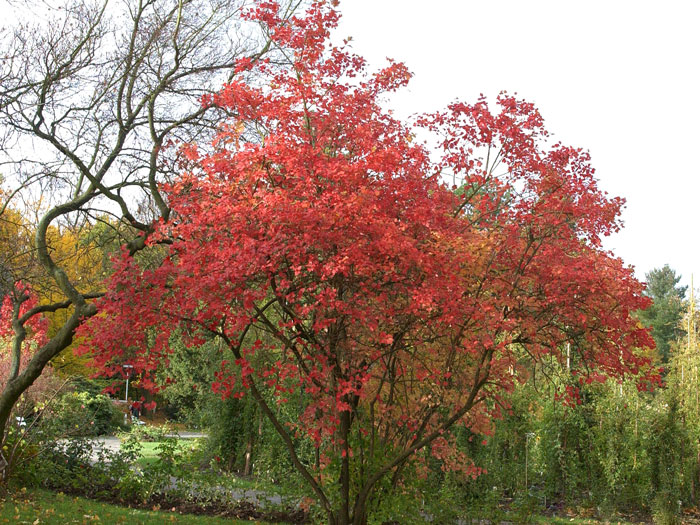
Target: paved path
x=110 y=443
x=187 y=435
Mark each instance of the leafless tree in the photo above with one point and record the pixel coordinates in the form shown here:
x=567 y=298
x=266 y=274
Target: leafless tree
x=95 y=95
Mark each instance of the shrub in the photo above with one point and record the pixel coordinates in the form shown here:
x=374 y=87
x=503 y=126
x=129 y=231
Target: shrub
x=83 y=414
x=80 y=466
x=146 y=433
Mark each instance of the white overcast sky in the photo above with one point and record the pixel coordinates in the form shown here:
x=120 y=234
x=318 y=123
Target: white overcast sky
x=619 y=78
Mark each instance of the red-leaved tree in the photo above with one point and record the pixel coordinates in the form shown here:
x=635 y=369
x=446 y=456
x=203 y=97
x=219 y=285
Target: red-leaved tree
x=22 y=330
x=334 y=264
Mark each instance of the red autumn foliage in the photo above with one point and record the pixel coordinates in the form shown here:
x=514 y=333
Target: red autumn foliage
x=22 y=299
x=334 y=263
x=18 y=303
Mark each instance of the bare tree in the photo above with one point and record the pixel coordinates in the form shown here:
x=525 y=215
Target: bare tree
x=95 y=95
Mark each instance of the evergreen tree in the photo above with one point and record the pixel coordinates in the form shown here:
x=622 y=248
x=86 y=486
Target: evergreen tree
x=664 y=316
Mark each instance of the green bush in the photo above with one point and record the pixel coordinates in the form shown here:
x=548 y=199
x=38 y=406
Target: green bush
x=82 y=414
x=229 y=432
x=672 y=454
x=79 y=466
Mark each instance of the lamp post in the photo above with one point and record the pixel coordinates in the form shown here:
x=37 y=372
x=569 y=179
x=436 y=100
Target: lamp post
x=128 y=373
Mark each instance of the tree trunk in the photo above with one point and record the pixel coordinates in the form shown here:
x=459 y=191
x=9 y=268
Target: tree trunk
x=360 y=515
x=344 y=517
x=16 y=387
x=248 y=467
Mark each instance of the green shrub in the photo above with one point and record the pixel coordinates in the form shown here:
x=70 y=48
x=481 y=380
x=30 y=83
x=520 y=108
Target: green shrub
x=229 y=432
x=80 y=466
x=146 y=433
x=82 y=414
x=672 y=452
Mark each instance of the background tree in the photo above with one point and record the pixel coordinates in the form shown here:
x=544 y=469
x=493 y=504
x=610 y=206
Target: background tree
x=93 y=95
x=665 y=314
x=337 y=271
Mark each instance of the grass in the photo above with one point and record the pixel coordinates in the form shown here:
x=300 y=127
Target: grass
x=150 y=451
x=36 y=506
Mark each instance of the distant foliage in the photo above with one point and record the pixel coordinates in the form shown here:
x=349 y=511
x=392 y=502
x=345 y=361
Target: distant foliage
x=665 y=313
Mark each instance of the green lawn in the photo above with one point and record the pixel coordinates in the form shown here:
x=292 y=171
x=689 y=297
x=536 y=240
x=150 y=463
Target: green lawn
x=35 y=506
x=150 y=449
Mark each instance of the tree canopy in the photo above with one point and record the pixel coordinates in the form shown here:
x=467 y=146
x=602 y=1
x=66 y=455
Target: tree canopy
x=320 y=244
